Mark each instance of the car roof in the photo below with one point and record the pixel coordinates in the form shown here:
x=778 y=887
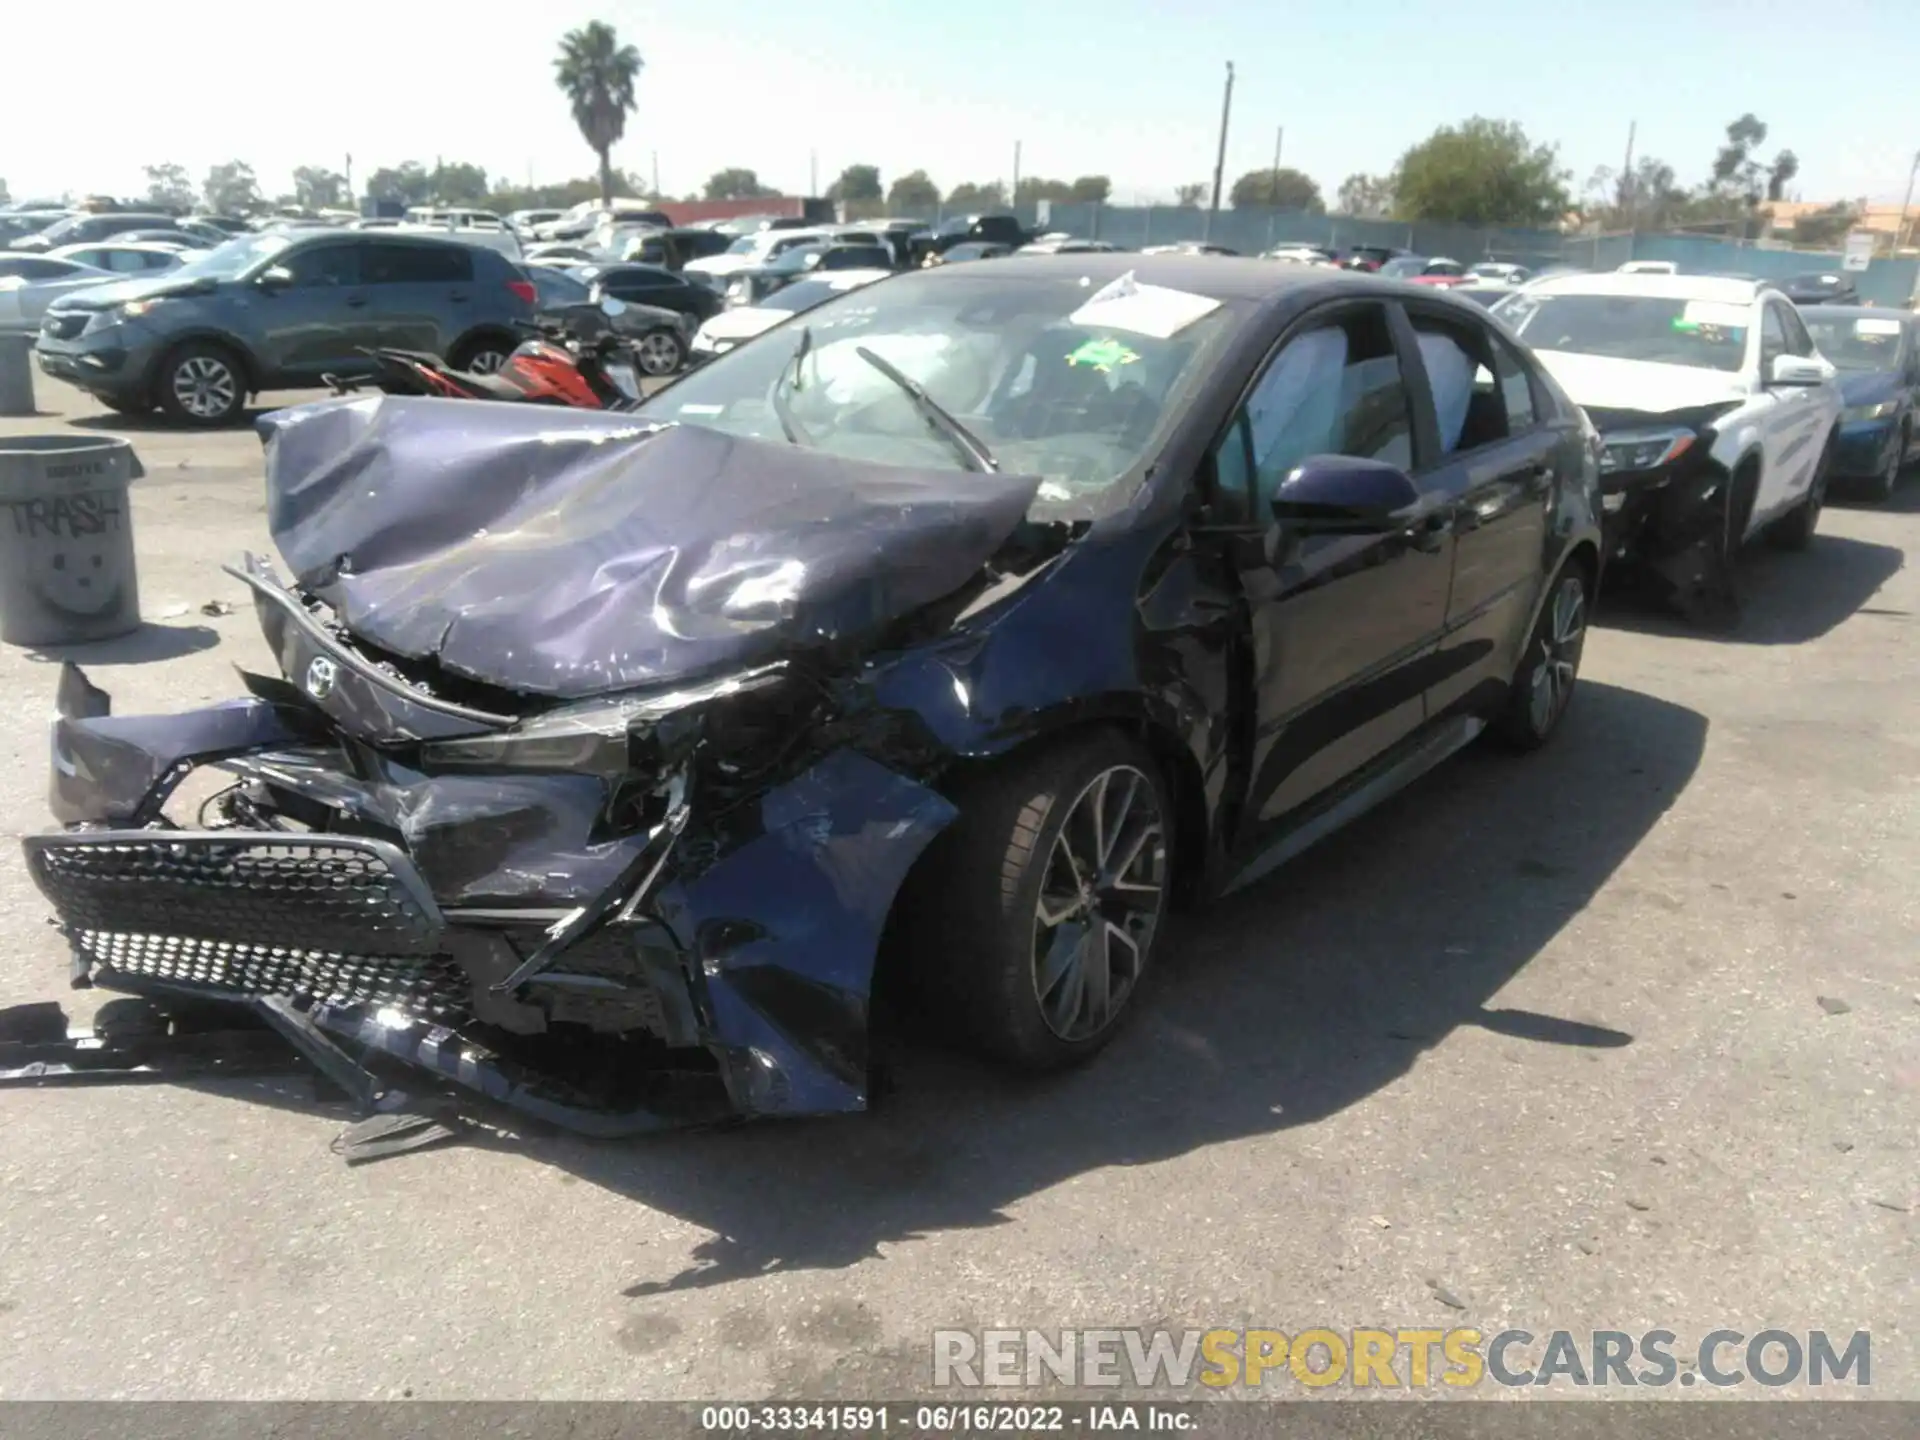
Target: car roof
x=1717 y=288
x=62 y=252
x=1860 y=312
x=1218 y=277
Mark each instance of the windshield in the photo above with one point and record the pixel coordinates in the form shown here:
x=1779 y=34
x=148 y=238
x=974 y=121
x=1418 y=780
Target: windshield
x=1075 y=392
x=1705 y=334
x=233 y=259
x=1861 y=344
x=801 y=295
x=745 y=245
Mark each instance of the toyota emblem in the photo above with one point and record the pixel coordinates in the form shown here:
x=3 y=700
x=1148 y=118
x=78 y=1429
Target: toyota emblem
x=320 y=677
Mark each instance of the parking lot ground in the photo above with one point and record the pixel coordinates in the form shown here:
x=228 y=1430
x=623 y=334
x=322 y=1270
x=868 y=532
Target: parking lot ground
x=1623 y=1035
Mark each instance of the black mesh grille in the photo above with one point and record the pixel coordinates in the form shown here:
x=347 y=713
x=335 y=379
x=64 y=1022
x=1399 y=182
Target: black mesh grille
x=65 y=327
x=431 y=987
x=329 y=895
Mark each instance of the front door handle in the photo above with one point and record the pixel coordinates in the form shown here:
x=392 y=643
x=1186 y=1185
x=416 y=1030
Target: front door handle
x=1429 y=534
x=356 y=302
x=459 y=297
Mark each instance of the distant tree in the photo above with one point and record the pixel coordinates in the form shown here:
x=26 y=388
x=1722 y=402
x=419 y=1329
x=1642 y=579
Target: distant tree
x=231 y=189
x=1481 y=172
x=1282 y=189
x=857 y=183
x=598 y=74
x=913 y=191
x=1785 y=166
x=1033 y=188
x=1648 y=199
x=1739 y=174
x=1367 y=197
x=972 y=196
x=735 y=183
x=1825 y=228
x=1090 y=190
x=1189 y=196
x=410 y=183
x=169 y=186
x=317 y=188
x=458 y=184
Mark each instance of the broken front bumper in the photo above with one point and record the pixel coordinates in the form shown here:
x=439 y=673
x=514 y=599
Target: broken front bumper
x=484 y=927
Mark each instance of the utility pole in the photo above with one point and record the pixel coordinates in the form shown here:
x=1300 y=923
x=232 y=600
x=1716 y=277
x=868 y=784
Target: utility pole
x=1013 y=196
x=1626 y=182
x=350 y=199
x=656 y=174
x=1220 y=159
x=813 y=174
x=1900 y=230
x=1278 y=135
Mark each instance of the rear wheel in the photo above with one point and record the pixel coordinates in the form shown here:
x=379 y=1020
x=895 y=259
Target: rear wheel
x=483 y=356
x=658 y=353
x=1543 y=685
x=1034 y=914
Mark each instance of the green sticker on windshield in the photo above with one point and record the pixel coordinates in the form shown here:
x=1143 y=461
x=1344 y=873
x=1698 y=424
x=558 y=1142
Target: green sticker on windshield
x=1103 y=355
x=1686 y=325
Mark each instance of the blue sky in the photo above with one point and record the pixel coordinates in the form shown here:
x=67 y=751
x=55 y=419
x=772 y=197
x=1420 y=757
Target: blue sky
x=1126 y=88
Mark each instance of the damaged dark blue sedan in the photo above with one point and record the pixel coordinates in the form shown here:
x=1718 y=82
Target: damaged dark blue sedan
x=943 y=636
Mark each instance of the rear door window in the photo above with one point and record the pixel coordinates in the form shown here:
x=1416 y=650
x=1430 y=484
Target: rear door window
x=391 y=263
x=324 y=265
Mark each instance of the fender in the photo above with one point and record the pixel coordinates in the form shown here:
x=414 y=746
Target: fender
x=255 y=374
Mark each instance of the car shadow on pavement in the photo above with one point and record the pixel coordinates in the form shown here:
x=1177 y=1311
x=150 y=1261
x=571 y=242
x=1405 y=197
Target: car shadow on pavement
x=153 y=421
x=149 y=643
x=1280 y=1006
x=1785 y=599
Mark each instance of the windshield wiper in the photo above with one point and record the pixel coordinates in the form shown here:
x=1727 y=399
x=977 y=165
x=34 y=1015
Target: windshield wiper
x=790 y=425
x=972 y=449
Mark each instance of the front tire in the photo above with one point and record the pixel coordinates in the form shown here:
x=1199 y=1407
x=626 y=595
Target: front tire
x=1888 y=480
x=1543 y=684
x=203 y=385
x=658 y=353
x=1033 y=916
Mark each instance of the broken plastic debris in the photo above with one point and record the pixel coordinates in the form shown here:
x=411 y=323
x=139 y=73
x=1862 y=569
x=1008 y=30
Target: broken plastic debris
x=217 y=607
x=1381 y=1221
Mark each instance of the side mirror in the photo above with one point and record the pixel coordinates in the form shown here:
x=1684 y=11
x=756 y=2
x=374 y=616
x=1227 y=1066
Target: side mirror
x=1798 y=370
x=274 y=277
x=1344 y=495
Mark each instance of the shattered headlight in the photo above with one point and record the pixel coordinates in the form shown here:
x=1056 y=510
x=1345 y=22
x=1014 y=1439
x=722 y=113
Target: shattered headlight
x=1625 y=451
x=594 y=738
x=1879 y=411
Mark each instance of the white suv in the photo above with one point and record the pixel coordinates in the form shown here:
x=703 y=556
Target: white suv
x=1717 y=416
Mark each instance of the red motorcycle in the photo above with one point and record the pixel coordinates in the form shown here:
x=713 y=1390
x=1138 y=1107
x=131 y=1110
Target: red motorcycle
x=553 y=368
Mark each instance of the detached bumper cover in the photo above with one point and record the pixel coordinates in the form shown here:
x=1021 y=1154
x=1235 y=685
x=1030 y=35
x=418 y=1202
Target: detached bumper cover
x=749 y=957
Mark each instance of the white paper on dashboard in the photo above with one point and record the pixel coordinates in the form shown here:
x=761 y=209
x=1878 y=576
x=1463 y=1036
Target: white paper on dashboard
x=1153 y=310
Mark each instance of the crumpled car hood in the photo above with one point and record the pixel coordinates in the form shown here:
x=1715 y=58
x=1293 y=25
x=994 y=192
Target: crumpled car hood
x=567 y=553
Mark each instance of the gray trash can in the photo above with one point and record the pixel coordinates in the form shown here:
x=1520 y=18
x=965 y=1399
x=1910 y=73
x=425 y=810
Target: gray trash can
x=16 y=373
x=66 y=539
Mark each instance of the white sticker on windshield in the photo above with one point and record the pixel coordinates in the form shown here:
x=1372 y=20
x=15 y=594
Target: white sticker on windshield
x=1876 y=327
x=1152 y=310
x=1717 y=313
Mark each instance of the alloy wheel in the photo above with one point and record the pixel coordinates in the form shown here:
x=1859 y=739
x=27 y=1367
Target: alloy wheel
x=1560 y=643
x=486 y=362
x=1100 y=900
x=205 y=387
x=658 y=353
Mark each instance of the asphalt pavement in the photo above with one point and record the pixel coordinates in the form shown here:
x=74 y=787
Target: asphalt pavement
x=1624 y=1035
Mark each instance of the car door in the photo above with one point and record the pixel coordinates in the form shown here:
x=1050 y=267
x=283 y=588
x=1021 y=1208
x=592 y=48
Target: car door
x=1910 y=375
x=313 y=311
x=422 y=292
x=1339 y=624
x=1788 y=452
x=1486 y=456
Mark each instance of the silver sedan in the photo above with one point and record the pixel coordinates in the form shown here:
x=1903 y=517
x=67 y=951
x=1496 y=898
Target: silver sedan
x=30 y=283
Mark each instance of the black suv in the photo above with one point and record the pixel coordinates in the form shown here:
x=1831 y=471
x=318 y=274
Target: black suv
x=87 y=229
x=279 y=312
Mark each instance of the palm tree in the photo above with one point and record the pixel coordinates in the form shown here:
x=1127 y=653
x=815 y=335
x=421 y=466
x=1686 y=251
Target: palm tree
x=598 y=74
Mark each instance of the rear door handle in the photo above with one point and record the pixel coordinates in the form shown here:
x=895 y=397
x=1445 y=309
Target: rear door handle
x=356 y=302
x=460 y=297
